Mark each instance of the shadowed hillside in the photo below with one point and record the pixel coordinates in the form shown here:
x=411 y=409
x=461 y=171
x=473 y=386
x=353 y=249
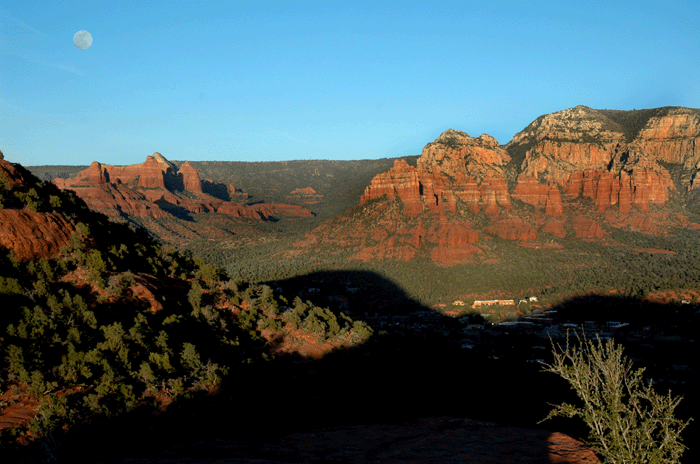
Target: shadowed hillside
x=414 y=376
x=100 y=320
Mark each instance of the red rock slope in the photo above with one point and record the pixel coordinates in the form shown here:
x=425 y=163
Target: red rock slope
x=156 y=188
x=574 y=173
x=430 y=209
x=29 y=233
x=581 y=152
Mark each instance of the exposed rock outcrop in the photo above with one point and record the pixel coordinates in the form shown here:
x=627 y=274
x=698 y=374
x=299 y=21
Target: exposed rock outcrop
x=455 y=151
x=587 y=228
x=583 y=171
x=455 y=166
x=306 y=195
x=555 y=227
x=156 y=189
x=164 y=162
x=558 y=144
x=456 y=172
x=672 y=138
x=588 y=150
x=34 y=235
x=95 y=175
x=148 y=174
x=29 y=234
x=455 y=243
x=190 y=178
x=541 y=195
x=512 y=229
x=401 y=182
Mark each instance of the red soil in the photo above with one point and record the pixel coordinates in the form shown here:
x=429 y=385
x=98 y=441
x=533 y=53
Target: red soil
x=21 y=409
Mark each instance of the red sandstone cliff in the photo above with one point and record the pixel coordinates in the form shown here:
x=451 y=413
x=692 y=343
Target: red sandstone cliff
x=587 y=152
x=572 y=173
x=455 y=166
x=34 y=235
x=421 y=210
x=609 y=157
x=148 y=174
x=154 y=189
x=190 y=178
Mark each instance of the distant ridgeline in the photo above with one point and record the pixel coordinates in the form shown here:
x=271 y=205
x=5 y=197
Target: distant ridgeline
x=533 y=213
x=157 y=188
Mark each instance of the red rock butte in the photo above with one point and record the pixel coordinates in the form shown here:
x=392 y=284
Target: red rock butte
x=575 y=173
x=155 y=189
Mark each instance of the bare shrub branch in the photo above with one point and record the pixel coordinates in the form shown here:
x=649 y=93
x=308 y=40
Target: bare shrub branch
x=629 y=422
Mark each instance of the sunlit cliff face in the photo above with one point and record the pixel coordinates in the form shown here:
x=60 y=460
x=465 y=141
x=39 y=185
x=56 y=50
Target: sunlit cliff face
x=568 y=162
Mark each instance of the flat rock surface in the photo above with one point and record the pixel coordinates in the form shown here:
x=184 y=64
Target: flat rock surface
x=431 y=440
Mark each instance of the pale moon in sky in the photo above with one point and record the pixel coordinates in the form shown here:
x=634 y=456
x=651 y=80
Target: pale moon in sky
x=82 y=39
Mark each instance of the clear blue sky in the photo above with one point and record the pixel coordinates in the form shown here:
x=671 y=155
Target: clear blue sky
x=263 y=81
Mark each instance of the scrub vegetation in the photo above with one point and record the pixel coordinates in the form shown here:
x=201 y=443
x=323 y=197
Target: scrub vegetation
x=117 y=321
x=629 y=421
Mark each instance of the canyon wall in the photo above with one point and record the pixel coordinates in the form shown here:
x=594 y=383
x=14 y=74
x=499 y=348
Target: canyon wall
x=575 y=173
x=156 y=189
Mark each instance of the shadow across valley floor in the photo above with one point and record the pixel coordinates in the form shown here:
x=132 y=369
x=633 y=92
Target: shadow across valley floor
x=175 y=210
x=402 y=396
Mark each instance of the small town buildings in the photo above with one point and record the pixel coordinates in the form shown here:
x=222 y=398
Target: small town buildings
x=478 y=303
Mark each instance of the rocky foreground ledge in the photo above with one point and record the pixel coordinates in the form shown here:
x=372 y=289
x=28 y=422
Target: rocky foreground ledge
x=432 y=440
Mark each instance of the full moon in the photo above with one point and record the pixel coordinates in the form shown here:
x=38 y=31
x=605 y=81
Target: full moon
x=82 y=39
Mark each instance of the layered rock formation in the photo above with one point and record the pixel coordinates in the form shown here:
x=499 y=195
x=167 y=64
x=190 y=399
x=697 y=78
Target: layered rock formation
x=306 y=195
x=597 y=154
x=557 y=144
x=455 y=166
x=156 y=189
x=34 y=235
x=574 y=173
x=673 y=138
x=29 y=234
x=190 y=178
